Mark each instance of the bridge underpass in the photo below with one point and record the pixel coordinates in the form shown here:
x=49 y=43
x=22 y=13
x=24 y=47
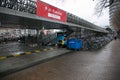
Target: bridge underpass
x=12 y=19
x=22 y=20
x=15 y=49
x=18 y=52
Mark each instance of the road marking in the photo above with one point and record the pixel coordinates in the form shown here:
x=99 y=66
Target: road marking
x=3 y=57
x=16 y=55
x=28 y=52
x=51 y=48
x=37 y=51
x=25 y=53
x=44 y=49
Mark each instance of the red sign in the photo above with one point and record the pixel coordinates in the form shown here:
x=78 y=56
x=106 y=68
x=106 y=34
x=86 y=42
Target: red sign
x=48 y=11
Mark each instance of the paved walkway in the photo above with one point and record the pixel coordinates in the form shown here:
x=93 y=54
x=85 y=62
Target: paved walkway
x=103 y=64
x=13 y=63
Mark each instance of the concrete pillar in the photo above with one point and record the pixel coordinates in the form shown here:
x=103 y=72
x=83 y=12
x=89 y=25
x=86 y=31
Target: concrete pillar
x=37 y=35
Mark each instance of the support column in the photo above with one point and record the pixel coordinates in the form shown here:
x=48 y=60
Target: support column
x=37 y=36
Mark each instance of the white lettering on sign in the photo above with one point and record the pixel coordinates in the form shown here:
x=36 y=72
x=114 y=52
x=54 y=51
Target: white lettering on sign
x=54 y=16
x=57 y=12
x=71 y=42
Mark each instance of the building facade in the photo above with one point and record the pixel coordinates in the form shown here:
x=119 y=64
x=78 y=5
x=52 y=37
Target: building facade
x=114 y=11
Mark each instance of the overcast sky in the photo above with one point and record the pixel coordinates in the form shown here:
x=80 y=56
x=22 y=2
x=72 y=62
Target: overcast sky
x=82 y=8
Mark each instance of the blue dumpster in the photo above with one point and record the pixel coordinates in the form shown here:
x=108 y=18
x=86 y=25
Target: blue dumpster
x=74 y=44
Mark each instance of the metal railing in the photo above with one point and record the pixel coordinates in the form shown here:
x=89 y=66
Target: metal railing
x=49 y=39
x=20 y=5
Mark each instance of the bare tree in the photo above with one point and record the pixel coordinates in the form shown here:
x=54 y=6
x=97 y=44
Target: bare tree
x=115 y=14
x=101 y=5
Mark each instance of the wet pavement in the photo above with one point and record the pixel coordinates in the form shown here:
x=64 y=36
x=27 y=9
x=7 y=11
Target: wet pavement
x=103 y=64
x=19 y=62
x=15 y=48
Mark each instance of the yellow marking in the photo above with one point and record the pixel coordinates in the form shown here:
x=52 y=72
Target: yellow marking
x=51 y=48
x=28 y=52
x=44 y=49
x=16 y=55
x=3 y=57
x=37 y=51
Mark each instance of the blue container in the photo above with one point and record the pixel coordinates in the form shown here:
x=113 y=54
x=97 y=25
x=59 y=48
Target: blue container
x=74 y=44
x=60 y=38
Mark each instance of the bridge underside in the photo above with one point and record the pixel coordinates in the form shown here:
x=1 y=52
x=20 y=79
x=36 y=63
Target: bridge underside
x=16 y=19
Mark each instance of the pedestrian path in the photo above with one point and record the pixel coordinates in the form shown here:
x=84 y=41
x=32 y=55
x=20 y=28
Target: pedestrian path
x=21 y=53
x=103 y=64
x=17 y=62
